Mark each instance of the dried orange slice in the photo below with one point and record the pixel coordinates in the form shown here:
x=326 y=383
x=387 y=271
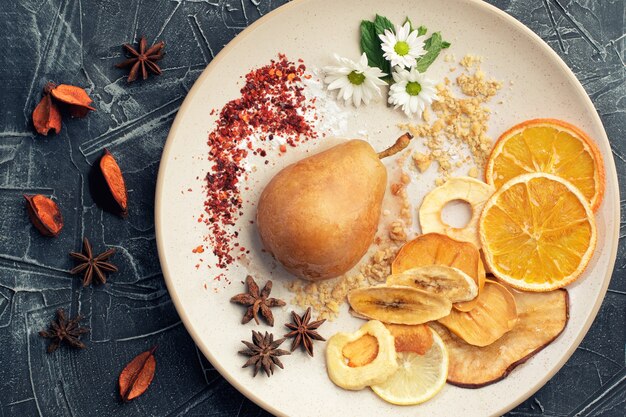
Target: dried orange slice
x=538 y=232
x=551 y=146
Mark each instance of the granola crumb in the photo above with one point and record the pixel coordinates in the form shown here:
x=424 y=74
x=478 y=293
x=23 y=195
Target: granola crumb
x=326 y=297
x=473 y=172
x=458 y=121
x=422 y=161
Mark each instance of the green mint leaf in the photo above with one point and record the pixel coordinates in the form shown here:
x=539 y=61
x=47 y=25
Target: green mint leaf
x=407 y=20
x=370 y=44
x=421 y=31
x=433 y=47
x=381 y=23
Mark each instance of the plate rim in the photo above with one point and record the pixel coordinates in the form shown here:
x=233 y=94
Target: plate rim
x=609 y=165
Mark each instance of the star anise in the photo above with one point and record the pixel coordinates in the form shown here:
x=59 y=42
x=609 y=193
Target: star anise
x=256 y=302
x=144 y=59
x=263 y=352
x=93 y=267
x=303 y=331
x=64 y=330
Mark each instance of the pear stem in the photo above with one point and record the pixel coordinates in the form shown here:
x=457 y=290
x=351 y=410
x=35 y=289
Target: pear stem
x=401 y=143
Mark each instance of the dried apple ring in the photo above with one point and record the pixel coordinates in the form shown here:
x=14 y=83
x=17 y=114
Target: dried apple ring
x=345 y=372
x=467 y=189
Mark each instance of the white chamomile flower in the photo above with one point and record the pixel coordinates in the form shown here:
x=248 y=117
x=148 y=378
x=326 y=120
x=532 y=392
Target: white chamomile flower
x=354 y=80
x=403 y=47
x=412 y=91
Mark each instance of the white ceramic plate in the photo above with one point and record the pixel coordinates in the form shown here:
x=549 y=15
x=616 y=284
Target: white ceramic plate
x=536 y=84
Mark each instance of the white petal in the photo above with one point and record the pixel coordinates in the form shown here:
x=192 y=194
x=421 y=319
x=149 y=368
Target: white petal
x=339 y=83
x=356 y=95
x=347 y=91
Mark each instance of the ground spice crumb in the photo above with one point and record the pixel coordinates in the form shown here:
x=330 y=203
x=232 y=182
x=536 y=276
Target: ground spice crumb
x=272 y=103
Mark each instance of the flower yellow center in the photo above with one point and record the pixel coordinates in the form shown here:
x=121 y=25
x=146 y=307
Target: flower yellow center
x=401 y=48
x=356 y=78
x=413 y=88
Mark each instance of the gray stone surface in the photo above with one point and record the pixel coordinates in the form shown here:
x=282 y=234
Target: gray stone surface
x=78 y=41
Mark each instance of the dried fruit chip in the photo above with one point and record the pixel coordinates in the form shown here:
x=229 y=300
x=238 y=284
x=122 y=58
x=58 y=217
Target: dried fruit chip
x=538 y=232
x=451 y=283
x=438 y=249
x=552 y=146
x=542 y=318
x=44 y=214
x=398 y=304
x=137 y=375
x=494 y=315
x=46 y=116
x=417 y=339
x=107 y=185
x=359 y=377
x=467 y=189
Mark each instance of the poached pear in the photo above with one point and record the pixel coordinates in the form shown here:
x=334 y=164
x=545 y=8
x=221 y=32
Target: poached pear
x=319 y=216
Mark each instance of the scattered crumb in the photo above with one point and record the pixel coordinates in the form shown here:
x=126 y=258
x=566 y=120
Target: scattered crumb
x=470 y=61
x=422 y=161
x=473 y=172
x=458 y=121
x=326 y=297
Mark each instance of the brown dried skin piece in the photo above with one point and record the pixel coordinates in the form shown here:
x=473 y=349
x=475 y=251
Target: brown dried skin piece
x=542 y=318
x=75 y=98
x=46 y=116
x=494 y=315
x=107 y=185
x=137 y=375
x=398 y=304
x=44 y=214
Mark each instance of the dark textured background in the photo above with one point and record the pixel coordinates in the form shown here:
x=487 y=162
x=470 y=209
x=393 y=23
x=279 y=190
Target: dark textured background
x=78 y=42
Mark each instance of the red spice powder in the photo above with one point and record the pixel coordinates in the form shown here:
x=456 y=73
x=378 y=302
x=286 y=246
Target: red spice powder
x=272 y=103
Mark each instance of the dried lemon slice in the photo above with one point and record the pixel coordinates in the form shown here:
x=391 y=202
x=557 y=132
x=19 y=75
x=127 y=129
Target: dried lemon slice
x=418 y=378
x=467 y=189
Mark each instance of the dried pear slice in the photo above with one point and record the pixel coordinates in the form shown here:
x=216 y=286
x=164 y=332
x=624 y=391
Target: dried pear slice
x=398 y=304
x=359 y=377
x=542 y=318
x=448 y=282
x=438 y=249
x=494 y=315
